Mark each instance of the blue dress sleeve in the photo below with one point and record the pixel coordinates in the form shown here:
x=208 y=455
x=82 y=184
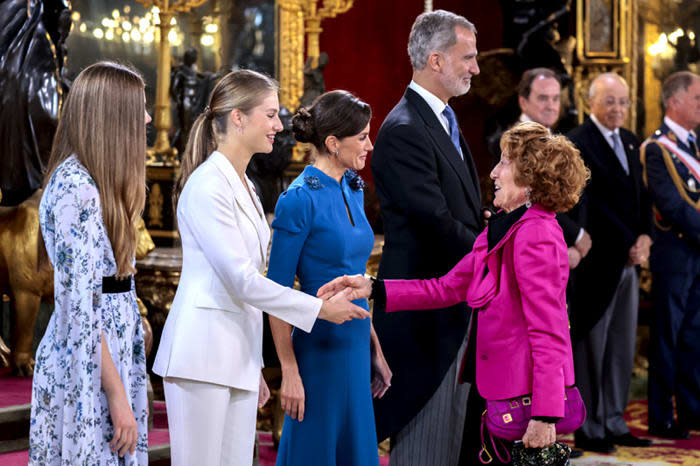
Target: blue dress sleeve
x=291 y=227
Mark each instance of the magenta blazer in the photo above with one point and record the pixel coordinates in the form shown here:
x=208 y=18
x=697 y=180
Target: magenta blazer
x=522 y=342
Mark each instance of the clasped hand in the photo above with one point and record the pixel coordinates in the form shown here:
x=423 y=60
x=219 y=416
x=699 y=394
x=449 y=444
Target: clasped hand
x=539 y=434
x=352 y=286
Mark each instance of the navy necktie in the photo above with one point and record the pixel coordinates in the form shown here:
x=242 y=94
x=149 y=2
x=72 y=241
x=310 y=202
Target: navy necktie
x=693 y=143
x=454 y=129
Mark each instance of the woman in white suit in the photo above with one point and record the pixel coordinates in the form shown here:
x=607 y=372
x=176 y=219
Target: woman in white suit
x=210 y=353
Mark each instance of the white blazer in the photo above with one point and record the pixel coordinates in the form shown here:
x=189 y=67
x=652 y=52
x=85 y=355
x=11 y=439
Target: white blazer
x=214 y=329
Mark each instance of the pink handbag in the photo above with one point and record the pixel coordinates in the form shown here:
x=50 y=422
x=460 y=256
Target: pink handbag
x=508 y=419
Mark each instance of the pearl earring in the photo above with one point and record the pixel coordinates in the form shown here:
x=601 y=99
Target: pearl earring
x=528 y=202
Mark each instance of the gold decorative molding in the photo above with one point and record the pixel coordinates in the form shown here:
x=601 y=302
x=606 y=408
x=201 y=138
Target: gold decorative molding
x=298 y=20
x=155 y=206
x=313 y=15
x=291 y=52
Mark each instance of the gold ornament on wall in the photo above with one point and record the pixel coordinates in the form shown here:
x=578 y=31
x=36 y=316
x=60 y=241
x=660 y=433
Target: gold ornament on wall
x=299 y=20
x=155 y=206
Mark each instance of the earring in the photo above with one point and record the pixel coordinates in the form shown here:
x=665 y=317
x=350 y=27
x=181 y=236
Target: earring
x=528 y=202
x=335 y=153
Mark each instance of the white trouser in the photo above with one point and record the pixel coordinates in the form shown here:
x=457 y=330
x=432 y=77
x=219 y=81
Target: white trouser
x=209 y=424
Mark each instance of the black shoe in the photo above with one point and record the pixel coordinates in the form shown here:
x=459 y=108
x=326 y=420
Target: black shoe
x=598 y=445
x=669 y=430
x=576 y=453
x=629 y=440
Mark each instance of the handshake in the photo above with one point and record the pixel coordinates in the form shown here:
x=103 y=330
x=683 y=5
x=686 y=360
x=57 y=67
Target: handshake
x=337 y=294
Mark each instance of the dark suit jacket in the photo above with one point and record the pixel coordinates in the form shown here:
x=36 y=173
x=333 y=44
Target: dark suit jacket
x=430 y=204
x=677 y=236
x=617 y=210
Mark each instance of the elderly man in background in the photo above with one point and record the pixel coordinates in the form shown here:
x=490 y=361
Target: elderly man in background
x=539 y=98
x=430 y=203
x=605 y=298
x=672 y=175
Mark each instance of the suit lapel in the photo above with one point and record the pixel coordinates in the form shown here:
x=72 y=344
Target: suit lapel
x=449 y=151
x=242 y=199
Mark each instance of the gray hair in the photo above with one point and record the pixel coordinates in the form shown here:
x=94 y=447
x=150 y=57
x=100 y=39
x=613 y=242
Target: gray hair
x=434 y=32
x=677 y=82
x=594 y=84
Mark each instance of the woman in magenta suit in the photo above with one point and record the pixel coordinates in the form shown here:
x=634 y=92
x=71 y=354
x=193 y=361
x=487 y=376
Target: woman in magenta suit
x=515 y=277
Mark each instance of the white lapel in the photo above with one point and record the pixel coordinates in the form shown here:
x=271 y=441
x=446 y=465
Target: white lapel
x=254 y=212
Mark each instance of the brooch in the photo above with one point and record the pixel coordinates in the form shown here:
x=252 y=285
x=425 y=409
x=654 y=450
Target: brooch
x=313 y=182
x=355 y=181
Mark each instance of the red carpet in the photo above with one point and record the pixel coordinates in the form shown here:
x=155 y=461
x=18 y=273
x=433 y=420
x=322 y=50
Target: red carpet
x=15 y=390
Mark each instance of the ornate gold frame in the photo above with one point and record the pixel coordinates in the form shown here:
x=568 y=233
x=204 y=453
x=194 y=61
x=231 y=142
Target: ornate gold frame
x=622 y=59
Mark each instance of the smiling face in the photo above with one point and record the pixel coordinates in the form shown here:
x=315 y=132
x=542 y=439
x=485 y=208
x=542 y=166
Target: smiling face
x=508 y=195
x=353 y=150
x=261 y=124
x=542 y=106
x=610 y=102
x=458 y=64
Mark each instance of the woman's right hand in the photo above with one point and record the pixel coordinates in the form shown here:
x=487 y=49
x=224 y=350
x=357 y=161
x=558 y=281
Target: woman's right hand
x=338 y=309
x=292 y=394
x=124 y=422
x=359 y=287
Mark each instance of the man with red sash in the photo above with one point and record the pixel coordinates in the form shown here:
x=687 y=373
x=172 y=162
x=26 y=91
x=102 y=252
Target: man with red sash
x=671 y=171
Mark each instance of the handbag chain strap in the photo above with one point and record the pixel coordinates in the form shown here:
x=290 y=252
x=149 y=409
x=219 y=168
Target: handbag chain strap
x=484 y=455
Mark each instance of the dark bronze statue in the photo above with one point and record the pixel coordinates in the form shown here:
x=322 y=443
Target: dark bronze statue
x=189 y=90
x=314 y=84
x=30 y=90
x=266 y=170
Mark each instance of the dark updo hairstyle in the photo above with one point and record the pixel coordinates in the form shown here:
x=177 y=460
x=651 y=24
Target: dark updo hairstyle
x=335 y=113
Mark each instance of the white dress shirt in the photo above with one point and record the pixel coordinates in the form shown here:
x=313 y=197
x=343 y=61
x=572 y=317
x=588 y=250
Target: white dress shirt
x=680 y=131
x=434 y=102
x=606 y=132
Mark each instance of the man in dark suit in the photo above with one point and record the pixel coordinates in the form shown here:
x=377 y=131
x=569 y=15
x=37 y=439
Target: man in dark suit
x=430 y=203
x=672 y=174
x=605 y=298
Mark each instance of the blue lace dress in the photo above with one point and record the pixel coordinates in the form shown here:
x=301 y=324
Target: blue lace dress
x=70 y=420
x=315 y=239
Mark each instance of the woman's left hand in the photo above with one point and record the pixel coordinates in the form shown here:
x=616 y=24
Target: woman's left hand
x=381 y=375
x=263 y=393
x=539 y=434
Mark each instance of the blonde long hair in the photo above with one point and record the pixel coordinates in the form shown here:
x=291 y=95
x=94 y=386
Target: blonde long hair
x=103 y=124
x=240 y=89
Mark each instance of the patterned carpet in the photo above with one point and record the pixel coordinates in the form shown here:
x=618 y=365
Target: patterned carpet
x=662 y=452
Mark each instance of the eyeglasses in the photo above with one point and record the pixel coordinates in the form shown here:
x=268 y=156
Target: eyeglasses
x=624 y=103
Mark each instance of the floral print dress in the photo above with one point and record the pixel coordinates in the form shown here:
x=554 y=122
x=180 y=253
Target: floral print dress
x=70 y=418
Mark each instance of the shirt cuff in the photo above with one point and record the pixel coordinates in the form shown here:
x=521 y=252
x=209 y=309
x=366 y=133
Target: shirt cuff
x=378 y=293
x=579 y=236
x=547 y=419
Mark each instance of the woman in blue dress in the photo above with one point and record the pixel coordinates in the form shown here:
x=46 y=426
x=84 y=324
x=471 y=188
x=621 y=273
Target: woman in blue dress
x=89 y=403
x=320 y=231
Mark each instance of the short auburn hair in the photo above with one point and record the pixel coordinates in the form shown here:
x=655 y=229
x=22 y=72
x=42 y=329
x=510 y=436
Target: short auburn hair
x=550 y=166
